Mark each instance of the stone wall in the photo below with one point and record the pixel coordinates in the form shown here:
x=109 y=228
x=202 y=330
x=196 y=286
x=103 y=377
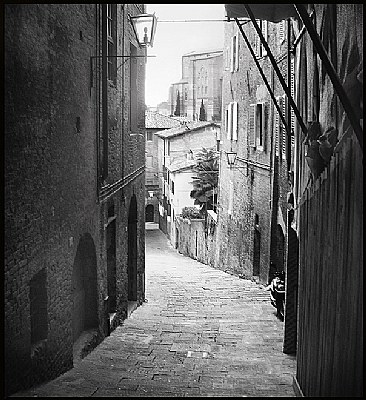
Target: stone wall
x=196 y=238
x=52 y=190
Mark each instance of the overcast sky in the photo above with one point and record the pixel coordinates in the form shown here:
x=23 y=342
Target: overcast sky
x=172 y=40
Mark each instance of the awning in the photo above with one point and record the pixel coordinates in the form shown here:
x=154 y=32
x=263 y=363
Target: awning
x=269 y=12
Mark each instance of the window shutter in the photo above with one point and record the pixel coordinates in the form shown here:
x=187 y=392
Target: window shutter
x=257 y=42
x=265 y=34
x=277 y=127
x=292 y=94
x=235 y=120
x=251 y=136
x=237 y=53
x=283 y=130
x=230 y=124
x=232 y=55
x=282 y=31
x=265 y=124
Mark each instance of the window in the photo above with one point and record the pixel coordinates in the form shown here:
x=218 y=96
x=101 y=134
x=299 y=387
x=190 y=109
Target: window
x=149 y=161
x=231 y=121
x=149 y=136
x=234 y=60
x=111 y=43
x=38 y=307
x=227 y=59
x=257 y=120
x=259 y=48
x=172 y=185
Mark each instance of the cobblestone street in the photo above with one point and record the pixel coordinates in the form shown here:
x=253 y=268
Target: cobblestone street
x=202 y=332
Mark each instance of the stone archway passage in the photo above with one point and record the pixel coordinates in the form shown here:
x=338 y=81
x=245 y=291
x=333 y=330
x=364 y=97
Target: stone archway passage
x=149 y=213
x=132 y=250
x=84 y=287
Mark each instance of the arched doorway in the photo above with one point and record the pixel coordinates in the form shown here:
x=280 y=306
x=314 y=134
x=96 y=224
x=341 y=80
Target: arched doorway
x=132 y=250
x=84 y=287
x=149 y=213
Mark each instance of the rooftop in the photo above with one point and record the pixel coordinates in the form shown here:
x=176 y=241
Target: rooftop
x=155 y=120
x=186 y=127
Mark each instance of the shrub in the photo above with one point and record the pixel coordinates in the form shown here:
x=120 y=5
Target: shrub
x=191 y=213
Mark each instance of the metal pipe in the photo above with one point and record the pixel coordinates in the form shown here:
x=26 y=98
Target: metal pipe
x=104 y=93
x=288 y=110
x=278 y=72
x=263 y=76
x=331 y=72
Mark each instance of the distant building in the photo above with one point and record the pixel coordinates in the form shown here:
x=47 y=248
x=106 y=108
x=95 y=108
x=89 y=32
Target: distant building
x=154 y=122
x=201 y=84
x=177 y=148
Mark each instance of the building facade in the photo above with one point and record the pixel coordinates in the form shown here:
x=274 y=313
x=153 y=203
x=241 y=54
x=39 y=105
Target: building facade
x=324 y=255
x=252 y=218
x=177 y=148
x=154 y=122
x=200 y=87
x=74 y=181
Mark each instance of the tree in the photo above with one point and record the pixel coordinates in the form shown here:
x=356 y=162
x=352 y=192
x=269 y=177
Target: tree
x=177 y=106
x=202 y=116
x=205 y=183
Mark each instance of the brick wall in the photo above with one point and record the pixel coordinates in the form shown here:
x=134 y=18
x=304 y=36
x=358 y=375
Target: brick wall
x=51 y=173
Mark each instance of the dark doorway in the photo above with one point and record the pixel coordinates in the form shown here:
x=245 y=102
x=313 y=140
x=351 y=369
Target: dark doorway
x=149 y=213
x=111 y=266
x=132 y=250
x=84 y=287
x=292 y=282
x=256 y=252
x=280 y=249
x=176 y=238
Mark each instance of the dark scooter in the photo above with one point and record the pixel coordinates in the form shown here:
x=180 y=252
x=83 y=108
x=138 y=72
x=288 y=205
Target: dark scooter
x=277 y=293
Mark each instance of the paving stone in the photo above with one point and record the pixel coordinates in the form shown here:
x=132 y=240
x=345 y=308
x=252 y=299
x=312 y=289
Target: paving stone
x=202 y=333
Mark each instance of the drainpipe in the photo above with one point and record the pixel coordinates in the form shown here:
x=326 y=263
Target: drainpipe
x=104 y=93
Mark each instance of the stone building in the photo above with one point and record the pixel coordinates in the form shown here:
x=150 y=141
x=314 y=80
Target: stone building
x=154 y=122
x=74 y=181
x=201 y=84
x=251 y=230
x=177 y=148
x=324 y=255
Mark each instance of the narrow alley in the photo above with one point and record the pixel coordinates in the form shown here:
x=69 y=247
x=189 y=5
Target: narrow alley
x=201 y=332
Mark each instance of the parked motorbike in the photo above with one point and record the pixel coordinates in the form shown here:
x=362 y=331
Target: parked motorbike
x=277 y=293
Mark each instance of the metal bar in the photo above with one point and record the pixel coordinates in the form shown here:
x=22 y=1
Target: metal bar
x=264 y=78
x=288 y=108
x=278 y=72
x=331 y=72
x=301 y=33
x=121 y=56
x=104 y=93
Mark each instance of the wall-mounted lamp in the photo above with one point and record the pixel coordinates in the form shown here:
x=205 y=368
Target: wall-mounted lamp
x=144 y=26
x=151 y=193
x=231 y=158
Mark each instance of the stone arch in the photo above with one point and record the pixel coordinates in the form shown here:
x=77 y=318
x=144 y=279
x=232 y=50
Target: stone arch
x=84 y=287
x=149 y=213
x=132 y=250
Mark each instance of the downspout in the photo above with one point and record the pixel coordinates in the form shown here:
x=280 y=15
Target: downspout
x=104 y=93
x=289 y=87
